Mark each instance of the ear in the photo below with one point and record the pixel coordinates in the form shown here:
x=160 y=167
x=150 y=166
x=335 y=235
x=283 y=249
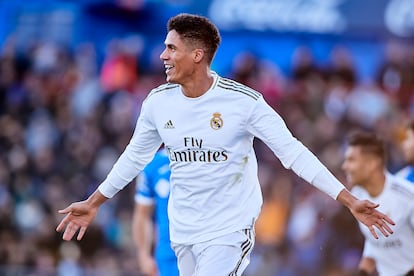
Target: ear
x=373 y=162
x=198 y=55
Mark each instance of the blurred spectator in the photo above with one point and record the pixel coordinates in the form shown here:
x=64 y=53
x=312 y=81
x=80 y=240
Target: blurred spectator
x=261 y=75
x=342 y=80
x=308 y=83
x=408 y=151
x=120 y=68
x=367 y=105
x=395 y=75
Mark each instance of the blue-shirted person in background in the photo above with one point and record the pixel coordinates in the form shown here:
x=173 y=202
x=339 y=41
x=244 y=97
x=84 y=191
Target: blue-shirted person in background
x=150 y=220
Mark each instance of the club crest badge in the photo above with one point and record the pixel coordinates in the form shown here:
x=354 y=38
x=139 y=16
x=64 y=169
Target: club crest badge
x=216 y=122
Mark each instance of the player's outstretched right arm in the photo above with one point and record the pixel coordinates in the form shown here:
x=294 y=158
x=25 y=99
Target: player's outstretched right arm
x=79 y=215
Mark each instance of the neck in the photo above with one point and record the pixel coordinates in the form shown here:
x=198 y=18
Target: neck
x=375 y=184
x=198 y=85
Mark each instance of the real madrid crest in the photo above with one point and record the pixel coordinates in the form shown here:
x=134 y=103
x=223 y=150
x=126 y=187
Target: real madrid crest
x=216 y=122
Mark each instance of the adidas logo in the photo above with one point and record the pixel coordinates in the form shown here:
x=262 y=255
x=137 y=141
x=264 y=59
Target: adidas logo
x=169 y=125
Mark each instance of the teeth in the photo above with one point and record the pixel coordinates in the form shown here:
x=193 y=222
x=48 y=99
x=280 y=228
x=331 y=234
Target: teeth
x=168 y=67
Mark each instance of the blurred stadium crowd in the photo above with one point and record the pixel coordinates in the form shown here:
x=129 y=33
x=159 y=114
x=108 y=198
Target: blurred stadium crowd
x=65 y=118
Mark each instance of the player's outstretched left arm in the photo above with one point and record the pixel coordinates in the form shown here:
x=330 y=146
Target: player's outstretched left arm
x=79 y=215
x=365 y=211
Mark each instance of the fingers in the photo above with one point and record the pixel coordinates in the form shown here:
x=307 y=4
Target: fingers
x=381 y=228
x=373 y=205
x=381 y=225
x=66 y=210
x=70 y=231
x=81 y=233
x=385 y=230
x=387 y=227
x=388 y=220
x=76 y=219
x=63 y=223
x=372 y=230
x=381 y=222
x=377 y=220
x=71 y=228
x=384 y=221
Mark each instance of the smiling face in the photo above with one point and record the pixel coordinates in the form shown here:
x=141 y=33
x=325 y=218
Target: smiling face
x=357 y=166
x=408 y=146
x=178 y=58
x=364 y=161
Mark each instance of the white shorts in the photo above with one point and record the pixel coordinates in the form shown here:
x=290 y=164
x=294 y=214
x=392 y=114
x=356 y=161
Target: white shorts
x=227 y=255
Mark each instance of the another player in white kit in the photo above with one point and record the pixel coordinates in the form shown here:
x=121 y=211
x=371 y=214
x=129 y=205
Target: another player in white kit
x=208 y=124
x=364 y=166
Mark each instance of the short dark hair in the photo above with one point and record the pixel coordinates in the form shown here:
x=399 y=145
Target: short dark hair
x=369 y=143
x=197 y=30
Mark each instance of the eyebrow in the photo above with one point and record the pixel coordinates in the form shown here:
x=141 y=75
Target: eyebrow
x=170 y=45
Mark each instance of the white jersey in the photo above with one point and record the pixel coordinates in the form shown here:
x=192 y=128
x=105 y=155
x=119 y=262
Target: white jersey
x=394 y=255
x=209 y=139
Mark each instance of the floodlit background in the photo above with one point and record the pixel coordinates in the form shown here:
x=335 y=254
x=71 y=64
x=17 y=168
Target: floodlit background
x=73 y=75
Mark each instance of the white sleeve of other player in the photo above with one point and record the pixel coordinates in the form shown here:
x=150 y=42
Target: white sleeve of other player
x=140 y=151
x=266 y=124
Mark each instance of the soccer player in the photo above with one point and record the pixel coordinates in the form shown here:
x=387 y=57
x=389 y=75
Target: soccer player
x=150 y=216
x=364 y=167
x=408 y=151
x=207 y=124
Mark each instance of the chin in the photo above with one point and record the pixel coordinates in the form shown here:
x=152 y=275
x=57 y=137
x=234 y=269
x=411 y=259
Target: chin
x=170 y=80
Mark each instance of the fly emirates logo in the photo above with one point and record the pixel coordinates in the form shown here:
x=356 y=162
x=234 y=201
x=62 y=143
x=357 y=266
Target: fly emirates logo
x=196 y=153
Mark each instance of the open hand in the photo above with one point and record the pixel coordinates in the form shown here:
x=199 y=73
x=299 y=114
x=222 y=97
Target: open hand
x=366 y=212
x=78 y=217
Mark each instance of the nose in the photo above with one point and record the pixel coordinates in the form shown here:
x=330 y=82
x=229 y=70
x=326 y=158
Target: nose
x=163 y=55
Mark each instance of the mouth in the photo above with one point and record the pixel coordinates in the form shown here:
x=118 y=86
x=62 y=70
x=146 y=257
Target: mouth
x=168 y=68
